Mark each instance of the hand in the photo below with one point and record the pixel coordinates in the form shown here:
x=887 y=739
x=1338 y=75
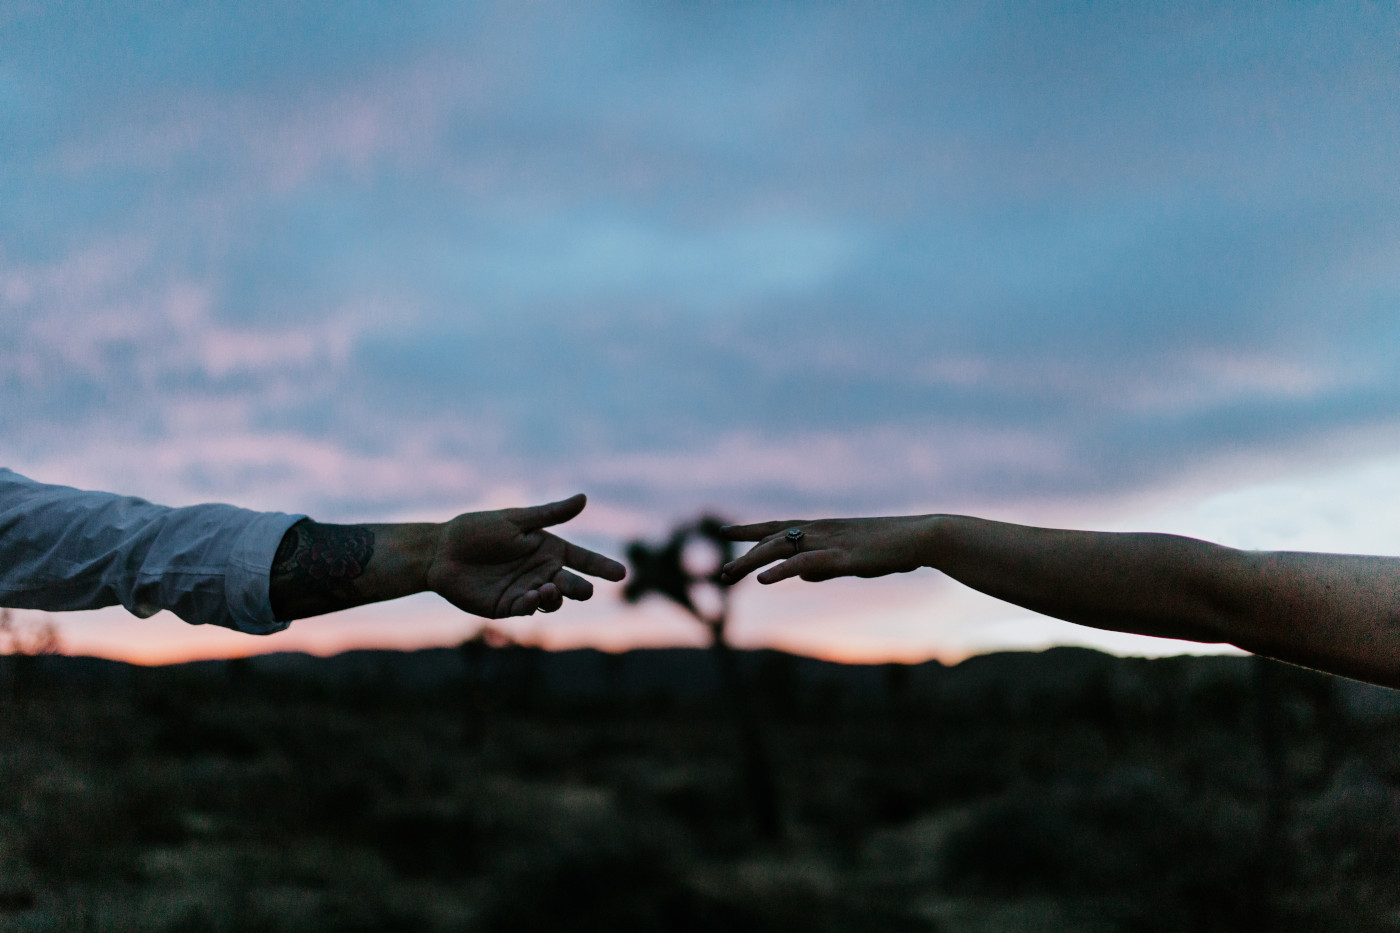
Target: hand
x=832 y=547
x=502 y=563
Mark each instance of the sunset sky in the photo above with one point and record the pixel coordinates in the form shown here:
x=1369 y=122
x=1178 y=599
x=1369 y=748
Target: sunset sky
x=1113 y=266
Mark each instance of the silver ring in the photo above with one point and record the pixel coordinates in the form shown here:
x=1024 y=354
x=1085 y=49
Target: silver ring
x=794 y=537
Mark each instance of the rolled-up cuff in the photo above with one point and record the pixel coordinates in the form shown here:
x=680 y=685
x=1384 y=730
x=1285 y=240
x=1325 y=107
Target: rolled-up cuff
x=247 y=583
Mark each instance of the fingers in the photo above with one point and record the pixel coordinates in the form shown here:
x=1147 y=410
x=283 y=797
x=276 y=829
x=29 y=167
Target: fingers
x=762 y=553
x=552 y=513
x=809 y=565
x=572 y=585
x=758 y=531
x=579 y=558
x=592 y=563
x=550 y=598
x=525 y=604
x=564 y=584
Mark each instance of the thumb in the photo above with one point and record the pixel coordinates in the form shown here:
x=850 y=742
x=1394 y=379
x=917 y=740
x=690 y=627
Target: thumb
x=553 y=513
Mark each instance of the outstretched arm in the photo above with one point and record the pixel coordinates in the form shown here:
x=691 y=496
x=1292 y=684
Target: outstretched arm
x=1335 y=612
x=491 y=564
x=66 y=549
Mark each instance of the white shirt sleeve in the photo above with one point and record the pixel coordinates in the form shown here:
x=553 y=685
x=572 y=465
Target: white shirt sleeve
x=62 y=549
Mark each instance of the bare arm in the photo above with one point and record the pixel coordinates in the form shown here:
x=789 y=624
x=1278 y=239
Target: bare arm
x=1338 y=613
x=491 y=564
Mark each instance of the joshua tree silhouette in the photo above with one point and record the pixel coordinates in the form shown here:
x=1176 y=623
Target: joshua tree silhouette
x=662 y=570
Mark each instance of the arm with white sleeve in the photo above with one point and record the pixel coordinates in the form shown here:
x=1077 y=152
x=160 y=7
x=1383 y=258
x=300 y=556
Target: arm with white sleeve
x=66 y=549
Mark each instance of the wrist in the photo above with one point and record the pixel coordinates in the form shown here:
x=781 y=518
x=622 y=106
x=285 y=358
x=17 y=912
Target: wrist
x=427 y=547
x=409 y=550
x=932 y=536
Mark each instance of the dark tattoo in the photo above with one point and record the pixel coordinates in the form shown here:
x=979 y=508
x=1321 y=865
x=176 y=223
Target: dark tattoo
x=315 y=568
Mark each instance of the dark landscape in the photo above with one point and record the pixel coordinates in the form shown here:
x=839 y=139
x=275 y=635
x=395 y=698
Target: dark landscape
x=500 y=787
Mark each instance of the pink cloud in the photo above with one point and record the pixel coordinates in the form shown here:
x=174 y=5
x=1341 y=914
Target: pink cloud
x=273 y=470
x=911 y=465
x=395 y=113
x=86 y=313
x=1207 y=378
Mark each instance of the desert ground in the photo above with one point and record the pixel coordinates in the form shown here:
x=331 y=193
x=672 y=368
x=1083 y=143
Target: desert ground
x=505 y=788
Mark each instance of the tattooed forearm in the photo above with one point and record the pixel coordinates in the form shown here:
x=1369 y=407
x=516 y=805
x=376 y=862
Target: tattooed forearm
x=492 y=564
x=316 y=566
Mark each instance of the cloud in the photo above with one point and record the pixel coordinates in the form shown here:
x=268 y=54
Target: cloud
x=282 y=143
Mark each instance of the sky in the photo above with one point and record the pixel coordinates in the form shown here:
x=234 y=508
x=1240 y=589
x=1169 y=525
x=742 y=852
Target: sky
x=1121 y=266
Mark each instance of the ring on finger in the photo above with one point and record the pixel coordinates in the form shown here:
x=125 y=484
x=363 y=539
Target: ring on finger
x=794 y=537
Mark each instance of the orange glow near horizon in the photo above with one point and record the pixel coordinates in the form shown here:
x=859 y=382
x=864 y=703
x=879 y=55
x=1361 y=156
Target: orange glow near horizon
x=908 y=620
x=209 y=646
